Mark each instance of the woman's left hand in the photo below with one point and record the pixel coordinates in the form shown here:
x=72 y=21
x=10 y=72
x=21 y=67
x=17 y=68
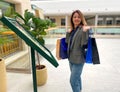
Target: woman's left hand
x=86 y=28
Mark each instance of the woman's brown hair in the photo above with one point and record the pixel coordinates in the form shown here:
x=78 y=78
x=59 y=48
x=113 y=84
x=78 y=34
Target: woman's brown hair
x=83 y=21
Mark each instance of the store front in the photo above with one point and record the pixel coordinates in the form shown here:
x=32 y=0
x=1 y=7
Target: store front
x=12 y=48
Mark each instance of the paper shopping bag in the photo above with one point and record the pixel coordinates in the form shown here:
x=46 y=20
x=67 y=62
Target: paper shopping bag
x=58 y=49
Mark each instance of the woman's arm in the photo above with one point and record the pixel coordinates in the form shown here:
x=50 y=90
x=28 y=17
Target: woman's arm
x=68 y=35
x=85 y=35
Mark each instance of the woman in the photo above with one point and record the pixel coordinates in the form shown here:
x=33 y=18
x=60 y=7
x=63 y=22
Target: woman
x=76 y=38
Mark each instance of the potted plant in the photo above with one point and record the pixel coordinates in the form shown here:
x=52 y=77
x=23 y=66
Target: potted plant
x=3 y=76
x=36 y=26
x=3 y=79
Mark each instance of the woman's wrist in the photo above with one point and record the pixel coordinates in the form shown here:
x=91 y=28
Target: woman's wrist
x=86 y=28
x=69 y=31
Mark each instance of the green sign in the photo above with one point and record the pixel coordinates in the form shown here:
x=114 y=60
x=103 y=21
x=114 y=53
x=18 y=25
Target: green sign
x=29 y=39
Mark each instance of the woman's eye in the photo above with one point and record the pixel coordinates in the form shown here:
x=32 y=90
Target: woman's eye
x=76 y=17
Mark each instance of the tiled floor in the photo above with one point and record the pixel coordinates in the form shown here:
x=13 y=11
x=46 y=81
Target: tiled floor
x=96 y=78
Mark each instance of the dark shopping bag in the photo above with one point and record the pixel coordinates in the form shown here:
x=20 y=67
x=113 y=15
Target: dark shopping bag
x=95 y=53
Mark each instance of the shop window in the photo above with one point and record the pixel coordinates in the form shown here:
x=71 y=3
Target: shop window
x=117 y=21
x=6 y=9
x=100 y=21
x=62 y=22
x=109 y=21
x=53 y=20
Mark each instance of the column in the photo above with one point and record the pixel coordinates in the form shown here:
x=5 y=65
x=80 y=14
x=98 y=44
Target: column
x=96 y=21
x=66 y=22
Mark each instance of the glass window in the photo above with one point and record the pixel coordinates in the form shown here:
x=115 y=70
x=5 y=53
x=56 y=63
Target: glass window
x=100 y=21
x=109 y=21
x=53 y=20
x=7 y=9
x=62 y=22
x=117 y=21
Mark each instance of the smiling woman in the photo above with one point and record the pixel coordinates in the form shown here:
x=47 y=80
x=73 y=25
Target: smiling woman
x=76 y=39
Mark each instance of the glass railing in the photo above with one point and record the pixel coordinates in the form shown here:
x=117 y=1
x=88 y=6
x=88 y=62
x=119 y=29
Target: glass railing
x=108 y=30
x=97 y=30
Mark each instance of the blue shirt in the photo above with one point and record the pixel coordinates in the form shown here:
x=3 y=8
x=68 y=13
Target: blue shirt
x=72 y=35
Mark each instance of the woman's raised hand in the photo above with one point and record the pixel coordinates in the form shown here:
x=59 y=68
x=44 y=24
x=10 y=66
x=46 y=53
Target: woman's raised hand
x=69 y=30
x=86 y=28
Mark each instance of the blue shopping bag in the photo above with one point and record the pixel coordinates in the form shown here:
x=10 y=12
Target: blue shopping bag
x=92 y=54
x=89 y=51
x=63 y=49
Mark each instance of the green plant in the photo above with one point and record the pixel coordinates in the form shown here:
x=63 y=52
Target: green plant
x=35 y=25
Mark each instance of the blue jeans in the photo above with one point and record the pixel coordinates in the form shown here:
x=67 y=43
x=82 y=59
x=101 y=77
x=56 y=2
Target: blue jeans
x=75 y=77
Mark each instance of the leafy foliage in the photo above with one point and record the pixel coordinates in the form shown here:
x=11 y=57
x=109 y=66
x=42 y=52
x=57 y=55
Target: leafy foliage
x=35 y=25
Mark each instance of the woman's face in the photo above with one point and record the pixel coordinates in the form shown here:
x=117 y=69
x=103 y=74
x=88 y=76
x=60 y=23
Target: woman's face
x=76 y=19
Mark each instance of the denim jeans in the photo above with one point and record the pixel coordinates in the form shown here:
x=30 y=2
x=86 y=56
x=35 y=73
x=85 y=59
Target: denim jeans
x=75 y=77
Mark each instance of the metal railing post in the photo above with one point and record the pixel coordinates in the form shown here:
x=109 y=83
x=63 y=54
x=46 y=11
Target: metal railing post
x=33 y=69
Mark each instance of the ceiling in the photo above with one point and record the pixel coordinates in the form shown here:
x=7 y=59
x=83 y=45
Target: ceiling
x=60 y=7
